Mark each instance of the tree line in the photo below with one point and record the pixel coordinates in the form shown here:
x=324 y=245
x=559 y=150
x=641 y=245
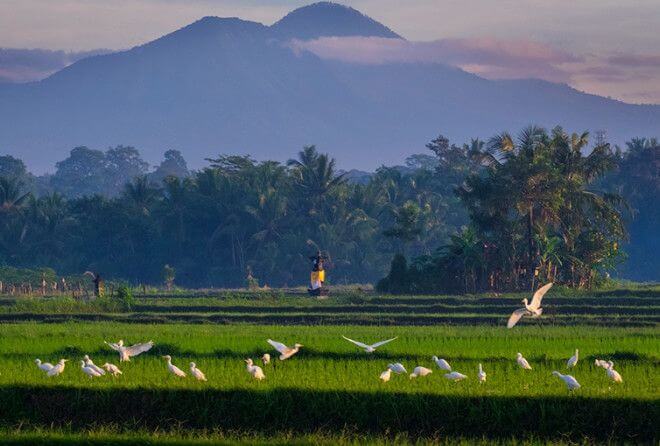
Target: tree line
x=488 y=215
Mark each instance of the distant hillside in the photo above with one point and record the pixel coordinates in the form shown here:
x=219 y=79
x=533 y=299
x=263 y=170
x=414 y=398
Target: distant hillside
x=228 y=85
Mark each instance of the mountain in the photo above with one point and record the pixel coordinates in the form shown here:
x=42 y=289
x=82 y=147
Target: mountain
x=225 y=85
x=329 y=19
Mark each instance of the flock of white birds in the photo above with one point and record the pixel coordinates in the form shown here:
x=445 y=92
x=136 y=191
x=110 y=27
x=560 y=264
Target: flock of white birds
x=125 y=353
x=532 y=309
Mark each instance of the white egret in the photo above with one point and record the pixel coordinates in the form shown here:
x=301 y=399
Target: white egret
x=522 y=362
x=601 y=363
x=125 y=353
x=573 y=360
x=613 y=374
x=57 y=368
x=197 y=373
x=45 y=366
x=265 y=359
x=441 y=363
x=420 y=371
x=369 y=348
x=111 y=368
x=531 y=309
x=254 y=370
x=285 y=352
x=386 y=375
x=481 y=375
x=89 y=363
x=570 y=381
x=172 y=368
x=89 y=371
x=397 y=368
x=455 y=376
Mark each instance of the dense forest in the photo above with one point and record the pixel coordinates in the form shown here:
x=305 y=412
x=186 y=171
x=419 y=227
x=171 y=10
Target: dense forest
x=487 y=215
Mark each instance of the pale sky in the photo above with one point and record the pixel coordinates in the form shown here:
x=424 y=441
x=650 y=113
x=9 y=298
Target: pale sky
x=615 y=44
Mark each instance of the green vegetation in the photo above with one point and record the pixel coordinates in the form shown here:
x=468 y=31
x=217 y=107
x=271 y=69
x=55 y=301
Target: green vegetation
x=331 y=386
x=469 y=217
x=614 y=307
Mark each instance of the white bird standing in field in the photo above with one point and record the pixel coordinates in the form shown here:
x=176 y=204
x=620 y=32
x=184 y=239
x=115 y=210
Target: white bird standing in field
x=420 y=371
x=89 y=363
x=57 y=368
x=197 y=373
x=530 y=309
x=397 y=368
x=455 y=376
x=573 y=360
x=441 y=363
x=481 y=375
x=89 y=371
x=265 y=359
x=172 y=368
x=369 y=348
x=45 y=366
x=285 y=352
x=254 y=370
x=111 y=368
x=125 y=353
x=613 y=374
x=386 y=375
x=570 y=381
x=522 y=362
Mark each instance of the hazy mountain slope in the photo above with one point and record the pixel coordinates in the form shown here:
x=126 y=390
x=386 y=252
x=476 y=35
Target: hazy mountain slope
x=232 y=86
x=328 y=19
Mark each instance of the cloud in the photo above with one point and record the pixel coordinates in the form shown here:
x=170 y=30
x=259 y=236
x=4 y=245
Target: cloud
x=26 y=65
x=489 y=57
x=636 y=60
x=616 y=75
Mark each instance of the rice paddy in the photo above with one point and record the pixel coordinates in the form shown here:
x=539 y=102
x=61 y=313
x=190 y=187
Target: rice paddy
x=330 y=392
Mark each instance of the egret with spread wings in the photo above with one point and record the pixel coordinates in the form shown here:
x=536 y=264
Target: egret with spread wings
x=530 y=309
x=125 y=353
x=285 y=352
x=369 y=348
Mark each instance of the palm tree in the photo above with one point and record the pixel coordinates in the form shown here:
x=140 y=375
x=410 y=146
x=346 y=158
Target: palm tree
x=314 y=174
x=141 y=194
x=11 y=195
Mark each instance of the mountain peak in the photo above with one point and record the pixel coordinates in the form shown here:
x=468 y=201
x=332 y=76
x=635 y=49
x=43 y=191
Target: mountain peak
x=329 y=19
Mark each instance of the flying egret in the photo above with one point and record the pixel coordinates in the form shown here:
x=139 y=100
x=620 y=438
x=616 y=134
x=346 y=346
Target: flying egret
x=254 y=370
x=45 y=366
x=265 y=359
x=125 y=353
x=570 y=381
x=386 y=375
x=172 y=368
x=285 y=352
x=601 y=363
x=573 y=360
x=111 y=368
x=197 y=373
x=89 y=363
x=455 y=376
x=420 y=371
x=522 y=362
x=57 y=368
x=441 y=363
x=531 y=309
x=397 y=368
x=89 y=371
x=481 y=375
x=369 y=348
x=613 y=374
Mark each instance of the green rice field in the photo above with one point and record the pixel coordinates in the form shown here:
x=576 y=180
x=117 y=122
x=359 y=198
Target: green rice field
x=330 y=392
